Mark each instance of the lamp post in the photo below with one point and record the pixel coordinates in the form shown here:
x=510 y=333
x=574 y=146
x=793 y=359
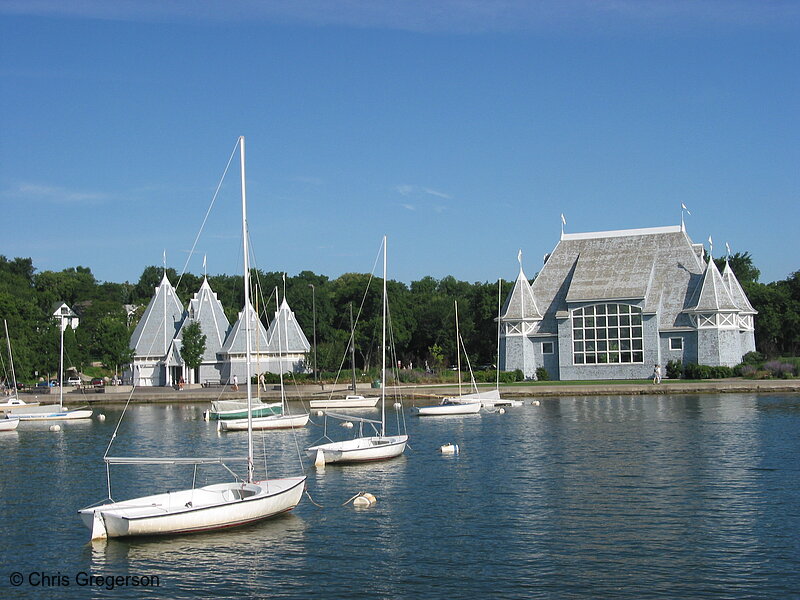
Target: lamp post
x=314 y=312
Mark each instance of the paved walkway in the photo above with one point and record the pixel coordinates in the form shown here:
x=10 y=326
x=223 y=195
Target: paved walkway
x=423 y=393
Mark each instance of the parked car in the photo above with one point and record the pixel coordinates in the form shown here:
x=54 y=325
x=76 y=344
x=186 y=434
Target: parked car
x=74 y=381
x=98 y=382
x=44 y=384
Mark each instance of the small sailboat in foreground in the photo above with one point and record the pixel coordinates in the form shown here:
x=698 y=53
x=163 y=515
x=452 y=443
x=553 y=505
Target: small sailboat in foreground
x=207 y=508
x=365 y=448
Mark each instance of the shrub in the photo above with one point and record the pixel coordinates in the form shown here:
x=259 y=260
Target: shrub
x=542 y=375
x=752 y=358
x=695 y=371
x=674 y=369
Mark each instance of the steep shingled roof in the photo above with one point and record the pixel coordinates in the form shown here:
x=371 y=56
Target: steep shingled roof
x=206 y=309
x=236 y=342
x=153 y=336
x=736 y=291
x=656 y=265
x=284 y=327
x=520 y=304
x=712 y=295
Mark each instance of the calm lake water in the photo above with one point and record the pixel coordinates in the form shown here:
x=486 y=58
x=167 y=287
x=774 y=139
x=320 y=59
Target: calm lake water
x=607 y=497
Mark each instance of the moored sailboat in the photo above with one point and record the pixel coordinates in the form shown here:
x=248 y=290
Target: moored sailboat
x=206 y=508
x=365 y=448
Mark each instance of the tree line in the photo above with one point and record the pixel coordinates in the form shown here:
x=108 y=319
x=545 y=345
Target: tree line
x=422 y=314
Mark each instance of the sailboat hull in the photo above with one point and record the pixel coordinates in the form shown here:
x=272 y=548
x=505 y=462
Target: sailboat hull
x=270 y=422
x=218 y=506
x=50 y=413
x=8 y=424
x=361 y=449
x=451 y=408
x=237 y=409
x=348 y=402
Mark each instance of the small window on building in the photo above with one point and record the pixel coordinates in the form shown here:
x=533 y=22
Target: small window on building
x=547 y=347
x=676 y=343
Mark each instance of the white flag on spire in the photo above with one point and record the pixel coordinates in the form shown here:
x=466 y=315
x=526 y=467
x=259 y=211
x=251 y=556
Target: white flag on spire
x=204 y=263
x=519 y=257
x=563 y=219
x=164 y=258
x=683 y=206
x=728 y=248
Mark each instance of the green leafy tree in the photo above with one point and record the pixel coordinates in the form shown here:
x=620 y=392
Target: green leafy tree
x=193 y=345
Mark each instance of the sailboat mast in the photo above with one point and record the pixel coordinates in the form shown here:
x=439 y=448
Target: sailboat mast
x=497 y=356
x=10 y=358
x=352 y=348
x=61 y=364
x=383 y=347
x=458 y=349
x=247 y=319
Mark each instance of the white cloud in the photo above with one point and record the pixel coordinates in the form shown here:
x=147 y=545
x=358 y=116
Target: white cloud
x=441 y=16
x=35 y=192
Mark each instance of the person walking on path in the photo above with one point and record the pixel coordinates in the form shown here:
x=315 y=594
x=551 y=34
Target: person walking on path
x=656 y=374
x=235 y=385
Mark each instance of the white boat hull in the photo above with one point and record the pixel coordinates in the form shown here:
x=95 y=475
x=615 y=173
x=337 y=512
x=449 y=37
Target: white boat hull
x=361 y=449
x=50 y=413
x=270 y=422
x=451 y=408
x=8 y=424
x=208 y=508
x=237 y=409
x=348 y=402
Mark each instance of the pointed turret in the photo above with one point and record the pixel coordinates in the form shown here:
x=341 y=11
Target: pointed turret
x=736 y=291
x=285 y=335
x=159 y=323
x=152 y=338
x=520 y=304
x=712 y=294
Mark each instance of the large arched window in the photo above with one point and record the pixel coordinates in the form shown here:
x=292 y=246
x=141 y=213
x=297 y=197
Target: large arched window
x=607 y=334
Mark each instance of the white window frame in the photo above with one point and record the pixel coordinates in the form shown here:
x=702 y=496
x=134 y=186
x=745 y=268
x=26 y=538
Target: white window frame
x=551 y=345
x=607 y=334
x=672 y=345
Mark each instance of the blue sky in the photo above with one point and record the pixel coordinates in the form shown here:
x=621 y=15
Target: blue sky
x=461 y=129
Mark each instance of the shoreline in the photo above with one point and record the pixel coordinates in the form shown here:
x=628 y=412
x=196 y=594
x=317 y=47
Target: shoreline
x=421 y=394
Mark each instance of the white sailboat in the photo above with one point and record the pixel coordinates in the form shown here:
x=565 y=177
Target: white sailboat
x=491 y=398
x=207 y=508
x=10 y=423
x=350 y=400
x=455 y=405
x=51 y=412
x=283 y=420
x=365 y=448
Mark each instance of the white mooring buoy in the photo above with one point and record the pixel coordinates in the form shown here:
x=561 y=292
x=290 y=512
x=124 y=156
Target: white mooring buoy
x=320 y=413
x=501 y=411
x=101 y=418
x=449 y=449
x=364 y=499
x=398 y=405
x=55 y=427
x=347 y=425
x=535 y=403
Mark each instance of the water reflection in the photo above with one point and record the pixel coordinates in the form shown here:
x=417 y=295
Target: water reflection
x=617 y=496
